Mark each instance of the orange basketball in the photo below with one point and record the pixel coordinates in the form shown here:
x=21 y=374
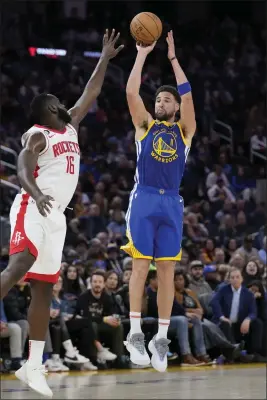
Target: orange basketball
x=146 y=28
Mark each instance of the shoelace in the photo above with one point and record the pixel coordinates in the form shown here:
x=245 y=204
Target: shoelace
x=41 y=369
x=162 y=347
x=137 y=340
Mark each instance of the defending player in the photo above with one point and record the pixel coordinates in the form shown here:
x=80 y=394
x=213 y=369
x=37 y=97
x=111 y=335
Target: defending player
x=48 y=170
x=155 y=213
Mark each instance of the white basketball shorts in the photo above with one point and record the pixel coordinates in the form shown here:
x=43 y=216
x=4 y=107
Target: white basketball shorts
x=44 y=237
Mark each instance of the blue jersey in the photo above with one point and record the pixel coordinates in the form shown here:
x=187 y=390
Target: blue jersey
x=161 y=156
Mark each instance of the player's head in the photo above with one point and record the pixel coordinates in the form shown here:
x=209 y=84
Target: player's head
x=167 y=103
x=46 y=108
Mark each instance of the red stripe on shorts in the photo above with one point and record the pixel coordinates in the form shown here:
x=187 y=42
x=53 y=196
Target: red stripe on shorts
x=42 y=277
x=19 y=241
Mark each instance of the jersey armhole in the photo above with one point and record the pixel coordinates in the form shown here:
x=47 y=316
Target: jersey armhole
x=72 y=127
x=186 y=142
x=46 y=145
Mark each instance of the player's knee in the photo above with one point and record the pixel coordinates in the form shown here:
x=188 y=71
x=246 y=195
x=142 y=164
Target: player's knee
x=140 y=269
x=165 y=267
x=42 y=290
x=19 y=264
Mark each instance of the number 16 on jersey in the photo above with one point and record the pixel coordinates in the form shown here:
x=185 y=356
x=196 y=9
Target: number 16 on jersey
x=70 y=165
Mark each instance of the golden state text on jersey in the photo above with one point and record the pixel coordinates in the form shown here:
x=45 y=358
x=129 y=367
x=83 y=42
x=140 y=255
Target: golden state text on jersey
x=161 y=156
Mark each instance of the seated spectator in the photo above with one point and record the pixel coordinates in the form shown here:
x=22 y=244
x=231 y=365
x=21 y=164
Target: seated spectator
x=256 y=287
x=89 y=224
x=208 y=252
x=238 y=260
x=16 y=304
x=213 y=177
x=194 y=230
x=219 y=256
x=218 y=193
x=251 y=272
x=97 y=304
x=71 y=289
x=197 y=280
x=227 y=231
x=113 y=263
x=182 y=318
x=117 y=225
x=60 y=335
x=127 y=272
x=234 y=309
x=230 y=249
x=247 y=249
x=127 y=263
x=13 y=331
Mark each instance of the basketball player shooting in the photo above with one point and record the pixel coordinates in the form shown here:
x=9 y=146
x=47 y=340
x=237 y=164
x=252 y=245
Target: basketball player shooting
x=48 y=170
x=155 y=213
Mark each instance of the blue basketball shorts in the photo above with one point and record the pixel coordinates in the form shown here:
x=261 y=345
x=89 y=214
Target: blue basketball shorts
x=154 y=224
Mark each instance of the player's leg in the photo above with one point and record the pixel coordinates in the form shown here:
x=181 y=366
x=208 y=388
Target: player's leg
x=167 y=253
x=43 y=275
x=25 y=243
x=141 y=236
x=18 y=265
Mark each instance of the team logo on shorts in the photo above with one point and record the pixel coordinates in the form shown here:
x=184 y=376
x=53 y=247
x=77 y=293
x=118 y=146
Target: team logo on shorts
x=164 y=146
x=17 y=238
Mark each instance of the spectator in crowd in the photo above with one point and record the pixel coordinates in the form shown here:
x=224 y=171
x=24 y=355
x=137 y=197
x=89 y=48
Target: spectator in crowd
x=13 y=331
x=72 y=288
x=16 y=305
x=251 y=272
x=95 y=302
x=197 y=280
x=212 y=276
x=234 y=309
x=262 y=252
x=230 y=249
x=247 y=249
x=208 y=252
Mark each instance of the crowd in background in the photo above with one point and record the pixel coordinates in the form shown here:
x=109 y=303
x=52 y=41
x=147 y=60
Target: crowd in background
x=224 y=238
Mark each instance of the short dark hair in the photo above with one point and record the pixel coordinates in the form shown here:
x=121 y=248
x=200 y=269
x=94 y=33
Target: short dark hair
x=37 y=108
x=98 y=272
x=108 y=273
x=152 y=274
x=170 y=89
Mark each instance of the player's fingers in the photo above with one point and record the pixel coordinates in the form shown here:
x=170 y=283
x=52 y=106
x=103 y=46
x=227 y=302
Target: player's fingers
x=49 y=204
x=112 y=35
x=116 y=38
x=46 y=209
x=119 y=48
x=105 y=37
x=41 y=211
x=50 y=198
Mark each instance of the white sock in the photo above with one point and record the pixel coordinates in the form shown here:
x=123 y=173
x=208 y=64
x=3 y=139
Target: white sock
x=135 y=321
x=68 y=346
x=36 y=349
x=163 y=328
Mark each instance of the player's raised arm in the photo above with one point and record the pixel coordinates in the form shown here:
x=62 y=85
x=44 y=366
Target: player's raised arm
x=27 y=162
x=188 y=120
x=94 y=85
x=139 y=114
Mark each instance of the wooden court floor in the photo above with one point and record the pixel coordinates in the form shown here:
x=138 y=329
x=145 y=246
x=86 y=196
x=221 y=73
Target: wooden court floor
x=215 y=382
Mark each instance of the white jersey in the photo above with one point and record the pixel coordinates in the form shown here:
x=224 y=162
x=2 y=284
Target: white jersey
x=57 y=170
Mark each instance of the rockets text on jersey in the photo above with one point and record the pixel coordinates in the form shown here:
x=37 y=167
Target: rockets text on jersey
x=58 y=165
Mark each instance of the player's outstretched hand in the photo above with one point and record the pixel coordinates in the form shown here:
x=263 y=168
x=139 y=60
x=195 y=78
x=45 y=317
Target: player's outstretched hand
x=109 y=51
x=44 y=204
x=142 y=48
x=171 y=45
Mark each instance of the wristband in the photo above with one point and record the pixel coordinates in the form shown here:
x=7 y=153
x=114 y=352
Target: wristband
x=184 y=88
x=173 y=58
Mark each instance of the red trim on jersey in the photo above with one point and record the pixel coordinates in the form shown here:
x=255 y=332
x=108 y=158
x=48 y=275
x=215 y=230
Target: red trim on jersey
x=35 y=174
x=19 y=241
x=42 y=277
x=50 y=129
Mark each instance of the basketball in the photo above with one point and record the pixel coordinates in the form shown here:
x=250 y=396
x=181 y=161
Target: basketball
x=146 y=28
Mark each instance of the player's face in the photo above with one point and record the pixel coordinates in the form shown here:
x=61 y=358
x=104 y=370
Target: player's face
x=166 y=107
x=61 y=110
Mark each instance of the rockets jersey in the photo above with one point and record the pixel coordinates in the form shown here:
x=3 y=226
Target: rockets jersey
x=58 y=165
x=161 y=156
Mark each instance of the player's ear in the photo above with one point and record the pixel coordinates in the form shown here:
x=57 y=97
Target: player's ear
x=177 y=107
x=53 y=109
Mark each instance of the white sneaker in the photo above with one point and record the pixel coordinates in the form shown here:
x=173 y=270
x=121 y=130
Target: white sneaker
x=57 y=362
x=159 y=350
x=35 y=379
x=76 y=358
x=88 y=366
x=52 y=365
x=105 y=355
x=135 y=344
